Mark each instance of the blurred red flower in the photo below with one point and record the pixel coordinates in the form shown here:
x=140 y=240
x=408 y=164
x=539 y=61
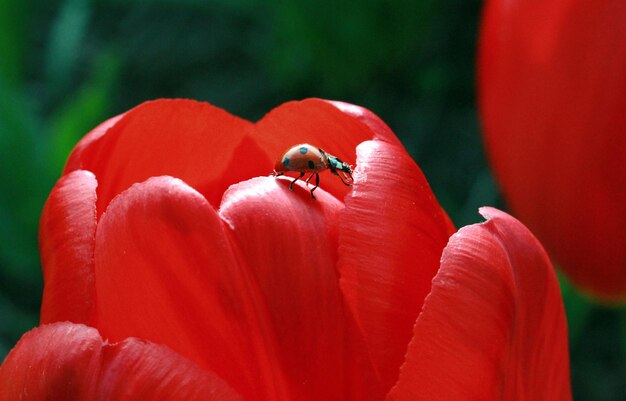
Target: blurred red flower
x=553 y=103
x=208 y=284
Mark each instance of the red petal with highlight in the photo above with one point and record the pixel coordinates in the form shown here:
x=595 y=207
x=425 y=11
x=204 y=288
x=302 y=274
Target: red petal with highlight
x=137 y=370
x=65 y=361
x=379 y=129
x=67 y=239
x=391 y=238
x=210 y=149
x=289 y=242
x=165 y=272
x=493 y=326
x=193 y=141
x=67 y=353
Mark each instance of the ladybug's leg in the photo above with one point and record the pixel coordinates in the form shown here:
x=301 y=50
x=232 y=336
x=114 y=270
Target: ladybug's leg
x=297 y=178
x=317 y=183
x=309 y=179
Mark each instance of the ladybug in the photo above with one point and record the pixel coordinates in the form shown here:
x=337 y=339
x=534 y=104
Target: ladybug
x=305 y=158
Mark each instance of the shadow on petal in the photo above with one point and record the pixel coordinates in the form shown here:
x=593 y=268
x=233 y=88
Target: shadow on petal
x=392 y=233
x=166 y=272
x=289 y=242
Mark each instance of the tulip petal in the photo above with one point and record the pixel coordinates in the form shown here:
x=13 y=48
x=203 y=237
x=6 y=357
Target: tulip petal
x=55 y=361
x=76 y=159
x=392 y=233
x=67 y=232
x=211 y=149
x=165 y=272
x=493 y=326
x=135 y=369
x=378 y=127
x=65 y=361
x=335 y=127
x=289 y=242
x=193 y=141
x=553 y=101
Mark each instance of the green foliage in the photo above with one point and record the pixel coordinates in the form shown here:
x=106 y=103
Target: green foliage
x=64 y=47
x=344 y=46
x=13 y=16
x=83 y=110
x=577 y=307
x=23 y=181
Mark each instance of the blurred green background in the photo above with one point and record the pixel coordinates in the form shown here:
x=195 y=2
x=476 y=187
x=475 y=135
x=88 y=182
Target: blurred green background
x=67 y=65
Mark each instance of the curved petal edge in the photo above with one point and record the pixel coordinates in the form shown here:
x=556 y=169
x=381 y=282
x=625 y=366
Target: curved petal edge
x=392 y=233
x=67 y=241
x=66 y=361
x=493 y=326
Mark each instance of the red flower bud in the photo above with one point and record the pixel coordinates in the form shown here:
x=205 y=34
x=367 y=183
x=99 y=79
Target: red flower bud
x=553 y=103
x=167 y=229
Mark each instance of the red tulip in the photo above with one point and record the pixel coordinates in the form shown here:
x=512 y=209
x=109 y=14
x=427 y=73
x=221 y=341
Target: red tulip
x=552 y=80
x=209 y=284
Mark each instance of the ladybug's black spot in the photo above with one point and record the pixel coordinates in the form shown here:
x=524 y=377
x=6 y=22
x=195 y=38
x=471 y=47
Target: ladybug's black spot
x=303 y=150
x=286 y=162
x=311 y=164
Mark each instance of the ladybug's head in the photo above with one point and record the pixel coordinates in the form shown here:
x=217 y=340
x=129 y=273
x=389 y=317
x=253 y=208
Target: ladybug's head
x=341 y=169
x=281 y=166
